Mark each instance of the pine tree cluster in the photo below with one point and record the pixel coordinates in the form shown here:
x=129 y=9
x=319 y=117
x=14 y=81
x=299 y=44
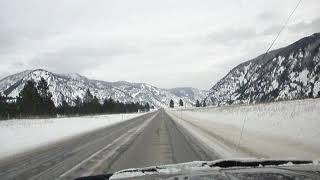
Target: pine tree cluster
x=35 y=100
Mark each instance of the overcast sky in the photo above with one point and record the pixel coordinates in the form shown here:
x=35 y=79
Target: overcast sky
x=167 y=43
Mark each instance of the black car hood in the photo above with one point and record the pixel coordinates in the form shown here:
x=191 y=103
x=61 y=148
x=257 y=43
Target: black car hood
x=232 y=169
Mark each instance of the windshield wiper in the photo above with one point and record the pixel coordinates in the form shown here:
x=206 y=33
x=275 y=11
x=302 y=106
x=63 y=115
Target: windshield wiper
x=255 y=163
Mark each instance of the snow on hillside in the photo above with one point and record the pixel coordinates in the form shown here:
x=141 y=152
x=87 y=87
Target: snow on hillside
x=69 y=86
x=24 y=134
x=292 y=72
x=279 y=130
x=189 y=94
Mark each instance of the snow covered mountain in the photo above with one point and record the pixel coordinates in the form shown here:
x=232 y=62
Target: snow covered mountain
x=188 y=93
x=287 y=73
x=69 y=86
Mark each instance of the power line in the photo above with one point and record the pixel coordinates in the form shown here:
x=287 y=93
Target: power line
x=282 y=28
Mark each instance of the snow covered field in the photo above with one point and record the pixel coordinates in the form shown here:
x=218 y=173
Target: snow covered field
x=23 y=134
x=288 y=129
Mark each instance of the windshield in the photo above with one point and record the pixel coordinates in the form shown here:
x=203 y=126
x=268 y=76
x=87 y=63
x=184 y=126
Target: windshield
x=96 y=87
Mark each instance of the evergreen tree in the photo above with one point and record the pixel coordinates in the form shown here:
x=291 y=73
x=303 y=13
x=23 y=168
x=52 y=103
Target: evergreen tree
x=43 y=88
x=105 y=105
x=111 y=105
x=123 y=107
x=180 y=102
x=88 y=97
x=87 y=106
x=204 y=104
x=95 y=106
x=77 y=102
x=77 y=106
x=64 y=108
x=11 y=110
x=116 y=107
x=29 y=99
x=137 y=106
x=171 y=104
x=147 y=107
x=36 y=100
x=8 y=107
x=46 y=104
x=197 y=103
x=3 y=107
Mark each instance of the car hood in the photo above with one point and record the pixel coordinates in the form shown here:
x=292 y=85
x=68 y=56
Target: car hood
x=225 y=169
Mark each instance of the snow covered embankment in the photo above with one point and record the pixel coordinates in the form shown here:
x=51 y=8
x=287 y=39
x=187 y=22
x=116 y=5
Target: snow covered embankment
x=288 y=129
x=20 y=135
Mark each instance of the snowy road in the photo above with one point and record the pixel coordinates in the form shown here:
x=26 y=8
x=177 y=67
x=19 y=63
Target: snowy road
x=150 y=139
x=157 y=138
x=163 y=142
x=52 y=161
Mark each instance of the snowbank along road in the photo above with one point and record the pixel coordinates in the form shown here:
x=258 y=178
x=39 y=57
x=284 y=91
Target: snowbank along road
x=150 y=139
x=279 y=130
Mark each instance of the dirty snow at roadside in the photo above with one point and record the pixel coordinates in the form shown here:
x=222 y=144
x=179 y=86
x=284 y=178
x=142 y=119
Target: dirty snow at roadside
x=288 y=129
x=19 y=135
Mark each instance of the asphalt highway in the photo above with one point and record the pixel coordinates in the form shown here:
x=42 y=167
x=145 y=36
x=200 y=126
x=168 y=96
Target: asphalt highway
x=147 y=140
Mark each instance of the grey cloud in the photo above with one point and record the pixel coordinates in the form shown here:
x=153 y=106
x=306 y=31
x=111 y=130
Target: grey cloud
x=229 y=36
x=313 y=26
x=271 y=30
x=302 y=26
x=78 y=59
x=8 y=39
x=94 y=51
x=81 y=36
x=266 y=16
x=12 y=38
x=168 y=42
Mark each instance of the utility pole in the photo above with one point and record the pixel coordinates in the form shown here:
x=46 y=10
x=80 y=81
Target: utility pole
x=181 y=113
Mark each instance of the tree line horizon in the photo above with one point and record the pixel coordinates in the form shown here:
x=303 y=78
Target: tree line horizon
x=198 y=104
x=35 y=100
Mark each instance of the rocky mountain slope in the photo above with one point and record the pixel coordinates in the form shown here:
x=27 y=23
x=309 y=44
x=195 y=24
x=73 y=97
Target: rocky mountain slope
x=291 y=72
x=69 y=86
x=189 y=94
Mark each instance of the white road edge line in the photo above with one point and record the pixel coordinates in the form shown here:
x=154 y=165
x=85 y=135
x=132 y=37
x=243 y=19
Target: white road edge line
x=104 y=148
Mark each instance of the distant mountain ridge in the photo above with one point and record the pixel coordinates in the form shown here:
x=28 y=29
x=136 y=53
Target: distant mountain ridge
x=292 y=72
x=69 y=86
